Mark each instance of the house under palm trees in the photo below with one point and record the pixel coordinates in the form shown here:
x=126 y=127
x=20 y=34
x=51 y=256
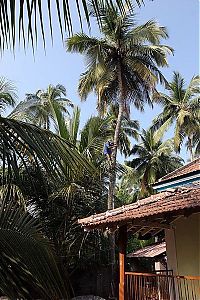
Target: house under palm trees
x=175 y=209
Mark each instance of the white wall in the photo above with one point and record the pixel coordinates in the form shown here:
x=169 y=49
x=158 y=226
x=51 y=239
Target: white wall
x=183 y=246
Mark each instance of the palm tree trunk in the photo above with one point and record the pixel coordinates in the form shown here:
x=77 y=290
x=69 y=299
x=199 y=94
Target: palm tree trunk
x=190 y=142
x=112 y=172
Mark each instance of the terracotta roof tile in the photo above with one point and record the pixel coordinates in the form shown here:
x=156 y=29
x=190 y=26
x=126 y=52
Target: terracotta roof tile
x=149 y=251
x=170 y=201
x=188 y=168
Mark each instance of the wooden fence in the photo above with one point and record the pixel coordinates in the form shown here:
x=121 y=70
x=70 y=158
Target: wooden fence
x=147 y=286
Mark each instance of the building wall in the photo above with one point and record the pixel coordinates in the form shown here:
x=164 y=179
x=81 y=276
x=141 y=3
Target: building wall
x=171 y=250
x=183 y=246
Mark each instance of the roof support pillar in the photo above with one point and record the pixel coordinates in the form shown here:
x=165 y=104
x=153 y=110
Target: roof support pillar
x=122 y=257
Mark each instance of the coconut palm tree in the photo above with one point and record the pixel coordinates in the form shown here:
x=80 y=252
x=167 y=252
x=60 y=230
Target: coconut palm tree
x=122 y=66
x=8 y=94
x=17 y=16
x=43 y=107
x=154 y=159
x=28 y=264
x=181 y=106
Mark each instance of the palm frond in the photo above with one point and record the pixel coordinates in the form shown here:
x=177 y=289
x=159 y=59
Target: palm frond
x=27 y=260
x=25 y=20
x=193 y=89
x=150 y=31
x=8 y=94
x=24 y=144
x=81 y=43
x=59 y=120
x=158 y=134
x=94 y=135
x=180 y=106
x=43 y=107
x=74 y=125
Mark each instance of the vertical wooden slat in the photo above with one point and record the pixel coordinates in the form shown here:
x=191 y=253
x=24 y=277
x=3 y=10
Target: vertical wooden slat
x=122 y=256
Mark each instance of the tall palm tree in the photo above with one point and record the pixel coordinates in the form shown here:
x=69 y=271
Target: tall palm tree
x=8 y=94
x=17 y=16
x=43 y=107
x=154 y=159
x=122 y=66
x=181 y=106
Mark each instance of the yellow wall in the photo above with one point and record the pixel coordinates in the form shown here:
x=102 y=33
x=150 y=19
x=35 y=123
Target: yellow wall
x=171 y=250
x=183 y=246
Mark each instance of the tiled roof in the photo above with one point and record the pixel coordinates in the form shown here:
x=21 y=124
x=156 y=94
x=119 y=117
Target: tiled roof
x=191 y=167
x=149 y=251
x=171 y=202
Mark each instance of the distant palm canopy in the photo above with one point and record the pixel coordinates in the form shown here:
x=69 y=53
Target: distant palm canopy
x=22 y=21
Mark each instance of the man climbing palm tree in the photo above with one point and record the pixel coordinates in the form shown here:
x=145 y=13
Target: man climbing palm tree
x=108 y=146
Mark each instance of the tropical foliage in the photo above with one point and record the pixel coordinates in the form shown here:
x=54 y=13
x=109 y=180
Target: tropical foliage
x=24 y=144
x=30 y=152
x=122 y=66
x=28 y=265
x=181 y=106
x=43 y=107
x=153 y=159
x=8 y=94
x=52 y=172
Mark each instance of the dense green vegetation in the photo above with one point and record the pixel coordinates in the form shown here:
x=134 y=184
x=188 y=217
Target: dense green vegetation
x=53 y=172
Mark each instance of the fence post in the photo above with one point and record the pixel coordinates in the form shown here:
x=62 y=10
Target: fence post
x=122 y=256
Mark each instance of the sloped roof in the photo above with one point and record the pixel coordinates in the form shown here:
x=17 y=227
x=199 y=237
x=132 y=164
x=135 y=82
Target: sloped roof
x=188 y=168
x=161 y=208
x=149 y=251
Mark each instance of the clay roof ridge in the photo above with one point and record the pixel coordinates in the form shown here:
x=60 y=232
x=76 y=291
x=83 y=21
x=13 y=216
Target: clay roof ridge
x=154 y=205
x=152 y=250
x=127 y=209
x=170 y=175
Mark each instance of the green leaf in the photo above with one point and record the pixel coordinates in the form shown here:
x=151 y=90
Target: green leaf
x=27 y=260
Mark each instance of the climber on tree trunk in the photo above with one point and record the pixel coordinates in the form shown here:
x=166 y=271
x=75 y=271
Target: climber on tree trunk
x=108 y=146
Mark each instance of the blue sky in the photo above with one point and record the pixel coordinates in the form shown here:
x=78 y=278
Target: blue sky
x=181 y=17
